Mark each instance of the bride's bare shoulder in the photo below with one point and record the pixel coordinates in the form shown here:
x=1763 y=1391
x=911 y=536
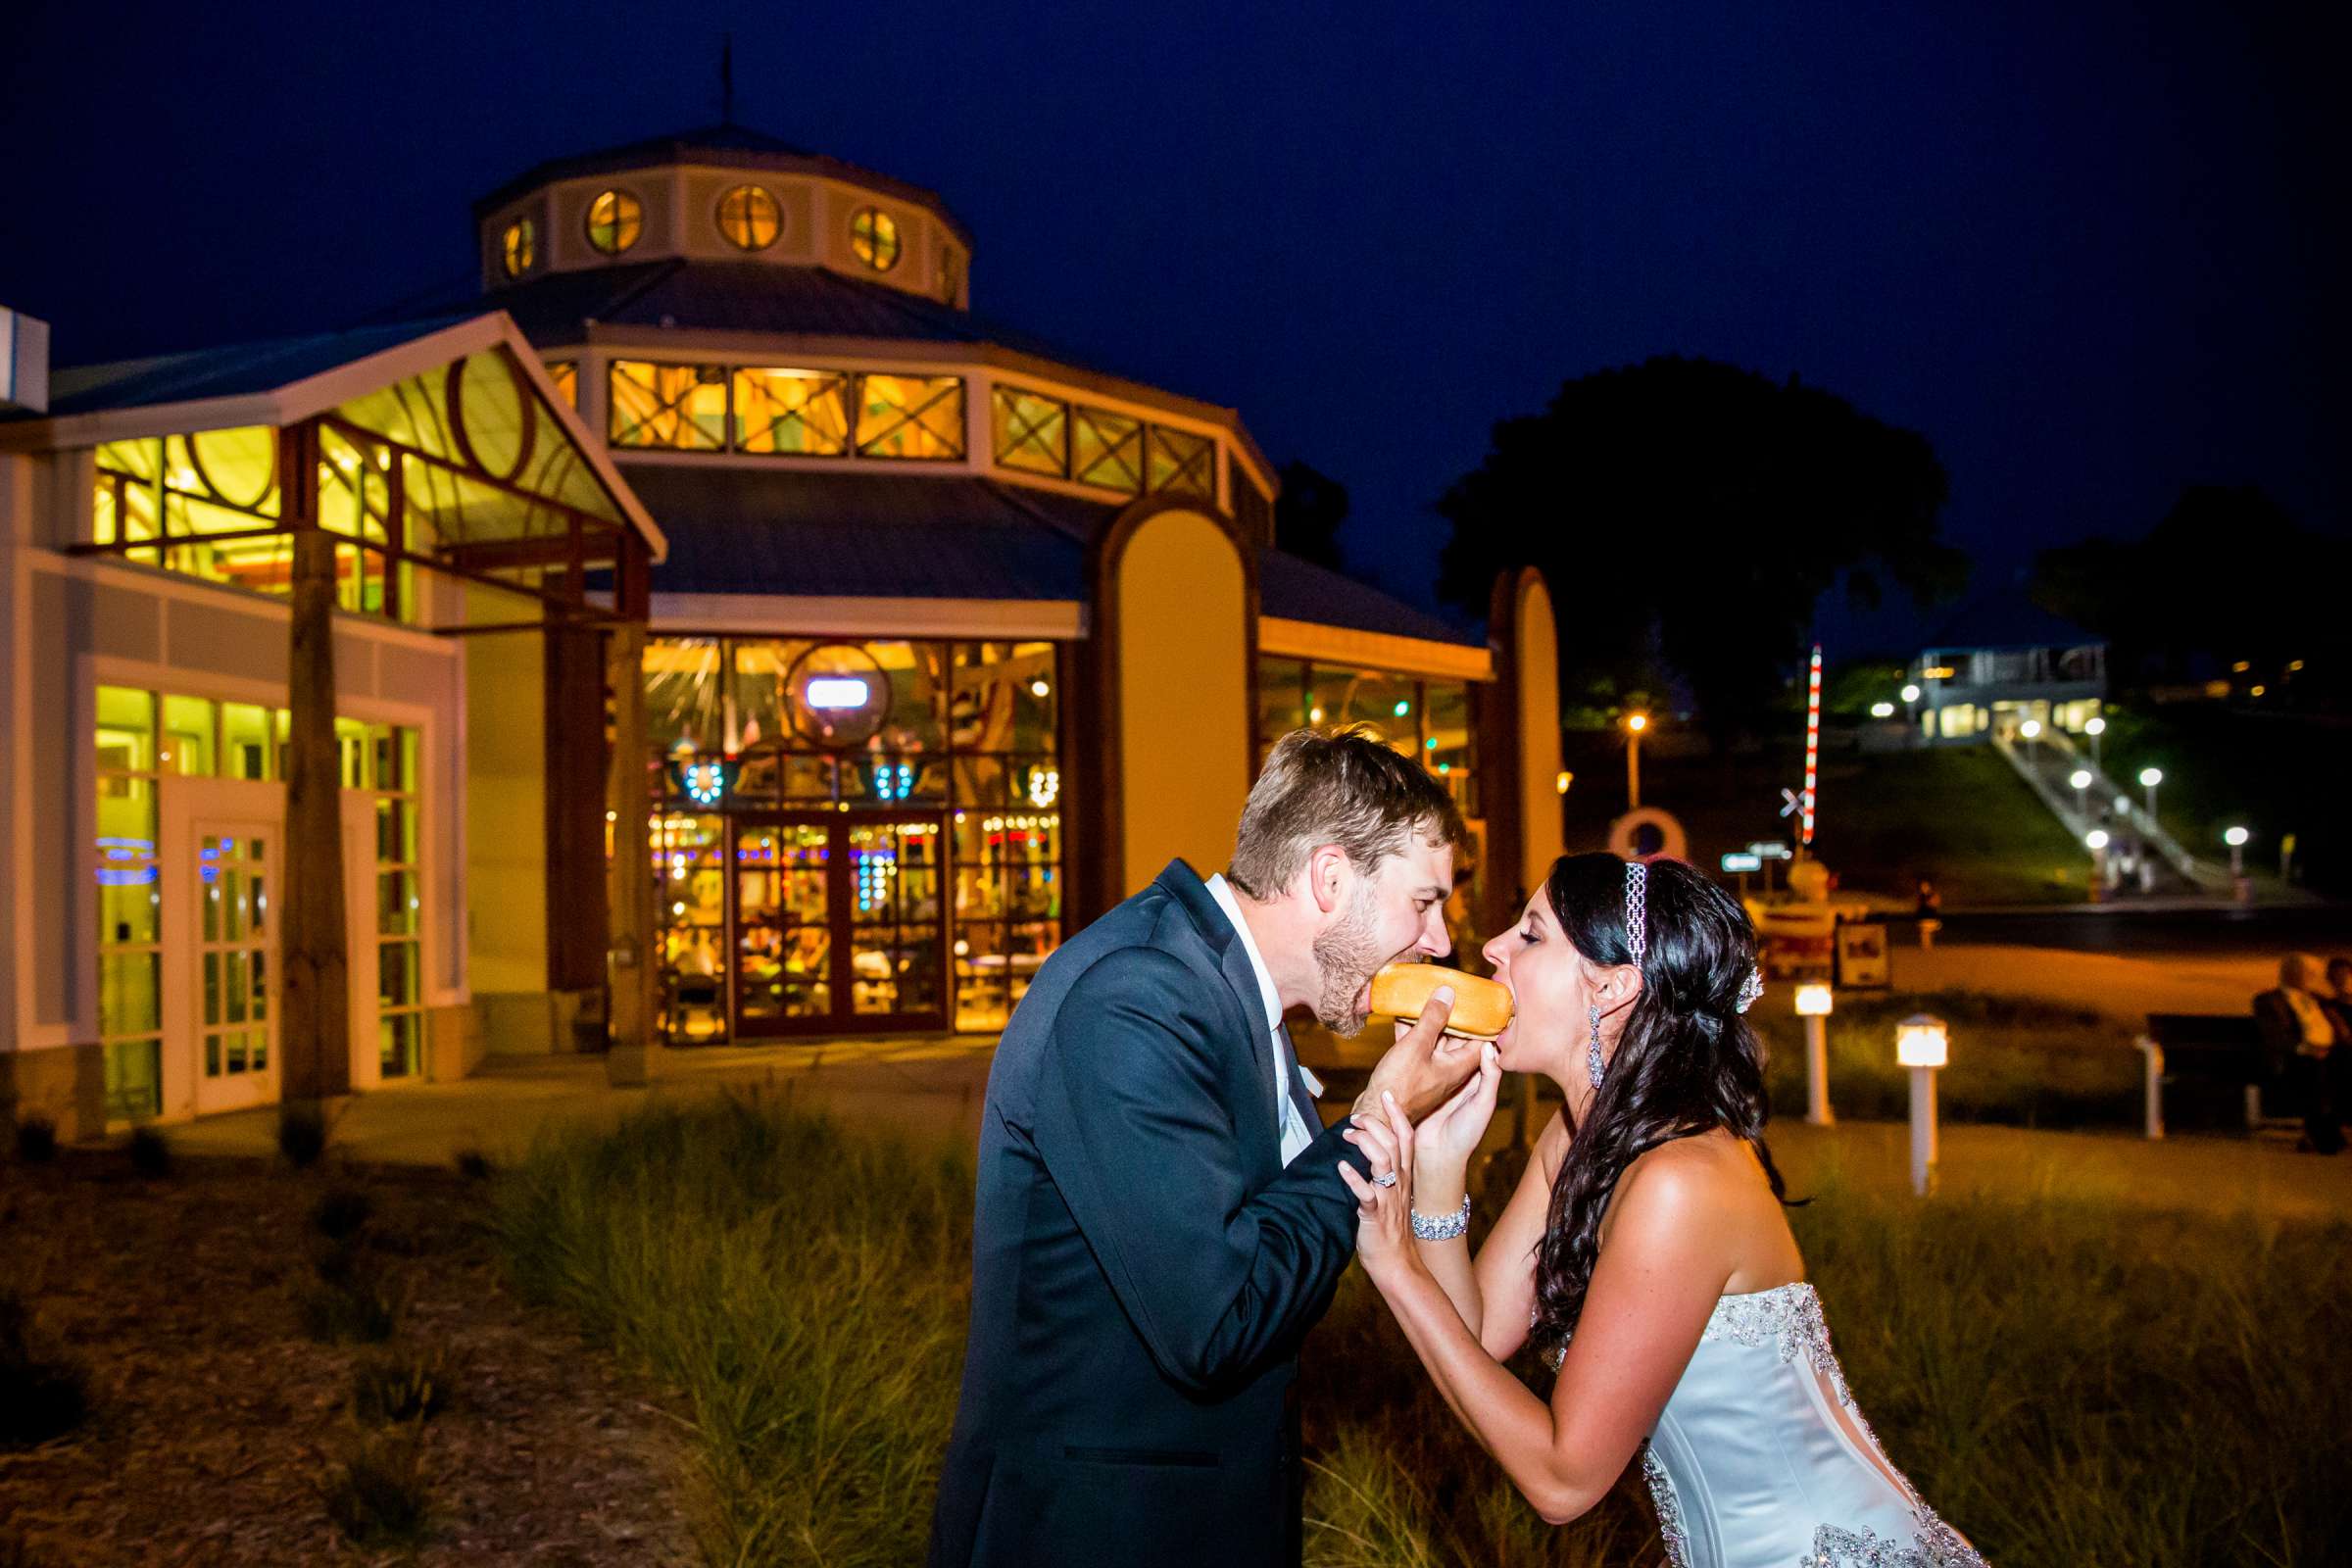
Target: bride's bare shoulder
x=1708 y=1170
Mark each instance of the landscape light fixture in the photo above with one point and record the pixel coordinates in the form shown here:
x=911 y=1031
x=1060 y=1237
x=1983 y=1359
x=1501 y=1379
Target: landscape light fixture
x=2095 y=728
x=1881 y=710
x=2097 y=839
x=1910 y=694
x=2235 y=837
x=1813 y=1004
x=1923 y=1045
x=2149 y=778
x=1634 y=723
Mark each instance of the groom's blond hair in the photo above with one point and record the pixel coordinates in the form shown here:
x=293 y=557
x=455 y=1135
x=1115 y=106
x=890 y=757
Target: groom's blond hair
x=1347 y=787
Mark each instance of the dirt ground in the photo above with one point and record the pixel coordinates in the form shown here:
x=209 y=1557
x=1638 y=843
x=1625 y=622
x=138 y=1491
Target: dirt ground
x=218 y=1422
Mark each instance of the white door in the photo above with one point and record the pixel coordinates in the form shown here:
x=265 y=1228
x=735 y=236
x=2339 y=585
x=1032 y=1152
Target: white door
x=223 y=847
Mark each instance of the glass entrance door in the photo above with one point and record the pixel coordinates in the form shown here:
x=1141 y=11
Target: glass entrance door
x=236 y=955
x=837 y=924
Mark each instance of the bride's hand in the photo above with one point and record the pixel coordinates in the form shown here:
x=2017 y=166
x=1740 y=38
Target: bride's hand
x=1449 y=1135
x=1384 y=1231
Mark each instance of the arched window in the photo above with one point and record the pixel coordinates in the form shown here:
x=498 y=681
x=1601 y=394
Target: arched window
x=518 y=247
x=614 y=221
x=874 y=239
x=749 y=218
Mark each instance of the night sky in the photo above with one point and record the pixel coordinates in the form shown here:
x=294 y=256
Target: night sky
x=2093 y=252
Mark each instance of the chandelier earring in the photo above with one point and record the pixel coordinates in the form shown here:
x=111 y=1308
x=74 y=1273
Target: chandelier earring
x=1593 y=1063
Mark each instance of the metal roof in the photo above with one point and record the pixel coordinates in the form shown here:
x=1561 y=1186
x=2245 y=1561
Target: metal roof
x=1292 y=589
x=864 y=535
x=232 y=370
x=722 y=146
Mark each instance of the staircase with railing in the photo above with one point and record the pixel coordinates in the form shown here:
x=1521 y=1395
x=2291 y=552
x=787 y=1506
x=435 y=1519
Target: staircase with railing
x=2048 y=763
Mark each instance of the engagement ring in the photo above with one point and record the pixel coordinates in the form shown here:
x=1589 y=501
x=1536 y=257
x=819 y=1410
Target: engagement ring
x=1389 y=1179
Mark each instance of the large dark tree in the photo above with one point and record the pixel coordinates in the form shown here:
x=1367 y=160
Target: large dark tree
x=2227 y=575
x=1698 y=511
x=1308 y=513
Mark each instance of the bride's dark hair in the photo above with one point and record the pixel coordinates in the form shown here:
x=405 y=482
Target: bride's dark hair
x=1686 y=1061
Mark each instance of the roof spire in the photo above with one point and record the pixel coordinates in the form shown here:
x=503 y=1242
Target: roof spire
x=726 y=78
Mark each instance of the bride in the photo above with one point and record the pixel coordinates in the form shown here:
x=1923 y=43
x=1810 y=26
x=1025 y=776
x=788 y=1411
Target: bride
x=1644 y=1252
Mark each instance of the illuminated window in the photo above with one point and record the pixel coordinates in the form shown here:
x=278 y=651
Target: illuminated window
x=919 y=417
x=566 y=377
x=614 y=221
x=1032 y=432
x=679 y=407
x=874 y=239
x=749 y=218
x=1182 y=465
x=795 y=412
x=519 y=248
x=1107 y=449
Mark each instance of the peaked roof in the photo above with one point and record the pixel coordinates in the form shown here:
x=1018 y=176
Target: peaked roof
x=226 y=371
x=2009 y=619
x=724 y=146
x=1292 y=589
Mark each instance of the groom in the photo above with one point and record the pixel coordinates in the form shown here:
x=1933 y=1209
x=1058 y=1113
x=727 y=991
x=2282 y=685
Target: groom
x=1159 y=1216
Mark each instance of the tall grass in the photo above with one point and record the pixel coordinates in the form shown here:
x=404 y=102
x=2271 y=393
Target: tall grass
x=2066 y=1381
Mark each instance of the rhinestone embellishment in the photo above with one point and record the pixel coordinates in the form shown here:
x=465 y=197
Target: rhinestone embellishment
x=1670 y=1509
x=1937 y=1546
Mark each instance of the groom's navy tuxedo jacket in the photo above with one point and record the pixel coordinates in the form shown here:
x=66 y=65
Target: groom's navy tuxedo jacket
x=1143 y=1265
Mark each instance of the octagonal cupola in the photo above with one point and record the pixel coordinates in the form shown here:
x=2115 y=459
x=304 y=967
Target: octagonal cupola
x=726 y=194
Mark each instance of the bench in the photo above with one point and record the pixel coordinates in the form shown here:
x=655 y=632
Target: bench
x=2222 y=1049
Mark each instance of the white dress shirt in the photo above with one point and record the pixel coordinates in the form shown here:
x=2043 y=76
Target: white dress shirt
x=1296 y=1134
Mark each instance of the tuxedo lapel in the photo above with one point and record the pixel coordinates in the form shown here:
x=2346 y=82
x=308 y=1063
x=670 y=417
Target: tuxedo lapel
x=1298 y=1095
x=1233 y=963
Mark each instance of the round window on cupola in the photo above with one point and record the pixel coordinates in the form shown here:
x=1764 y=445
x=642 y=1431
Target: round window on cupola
x=518 y=247
x=749 y=218
x=874 y=239
x=614 y=221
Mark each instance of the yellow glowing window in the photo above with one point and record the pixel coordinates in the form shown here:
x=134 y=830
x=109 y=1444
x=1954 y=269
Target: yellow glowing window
x=614 y=221
x=1182 y=463
x=679 y=407
x=566 y=377
x=519 y=247
x=1032 y=432
x=1107 y=449
x=919 y=417
x=874 y=239
x=749 y=218
x=792 y=412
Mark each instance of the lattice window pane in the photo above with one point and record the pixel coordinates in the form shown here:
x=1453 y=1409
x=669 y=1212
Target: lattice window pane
x=681 y=407
x=1182 y=464
x=1107 y=449
x=1032 y=432
x=919 y=417
x=804 y=413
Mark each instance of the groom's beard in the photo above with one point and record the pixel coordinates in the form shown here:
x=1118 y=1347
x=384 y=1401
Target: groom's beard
x=1345 y=956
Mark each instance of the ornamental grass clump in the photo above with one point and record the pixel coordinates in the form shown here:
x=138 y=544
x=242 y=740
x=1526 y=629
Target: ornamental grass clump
x=44 y=1392
x=396 y=1385
x=377 y=1492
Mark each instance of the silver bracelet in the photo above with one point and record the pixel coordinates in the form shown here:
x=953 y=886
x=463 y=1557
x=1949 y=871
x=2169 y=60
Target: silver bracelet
x=1445 y=1228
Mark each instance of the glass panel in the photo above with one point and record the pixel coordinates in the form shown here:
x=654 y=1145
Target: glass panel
x=1032 y=432
x=497 y=413
x=565 y=374
x=396 y=903
x=784 y=938
x=212 y=989
x=874 y=239
x=125 y=820
x=518 y=247
x=1107 y=449
x=130 y=907
x=1281 y=699
x=125 y=729
x=803 y=413
x=399 y=1043
x=237 y=467
x=1390 y=704
x=919 y=416
x=614 y=221
x=749 y=218
x=1182 y=464
x=134 y=1079
x=231 y=895
x=396 y=981
x=187 y=744
x=1447 y=742
x=681 y=407
x=233 y=967
x=248 y=744
x=129 y=993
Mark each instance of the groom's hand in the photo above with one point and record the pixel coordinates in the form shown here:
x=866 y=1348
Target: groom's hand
x=1423 y=1067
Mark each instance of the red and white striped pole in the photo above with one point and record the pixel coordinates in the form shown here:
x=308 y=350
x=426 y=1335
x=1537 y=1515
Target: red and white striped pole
x=1812 y=747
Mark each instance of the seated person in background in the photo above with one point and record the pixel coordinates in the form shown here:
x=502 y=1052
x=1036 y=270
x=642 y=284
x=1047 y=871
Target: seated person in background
x=2300 y=1034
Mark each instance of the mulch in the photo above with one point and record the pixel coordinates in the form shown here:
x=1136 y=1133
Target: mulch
x=217 y=1424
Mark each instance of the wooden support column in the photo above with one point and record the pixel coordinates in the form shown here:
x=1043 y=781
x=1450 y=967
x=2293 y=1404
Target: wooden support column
x=634 y=1055
x=314 y=1026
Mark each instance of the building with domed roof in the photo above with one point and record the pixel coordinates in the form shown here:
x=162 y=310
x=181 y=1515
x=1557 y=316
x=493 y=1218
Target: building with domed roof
x=949 y=639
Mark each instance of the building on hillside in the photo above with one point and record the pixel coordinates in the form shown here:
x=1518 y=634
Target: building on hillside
x=2001 y=662
x=953 y=639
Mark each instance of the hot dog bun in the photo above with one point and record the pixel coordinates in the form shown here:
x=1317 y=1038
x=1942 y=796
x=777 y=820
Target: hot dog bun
x=1481 y=1007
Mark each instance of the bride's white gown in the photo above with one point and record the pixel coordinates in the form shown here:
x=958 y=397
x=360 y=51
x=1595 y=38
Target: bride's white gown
x=1761 y=1460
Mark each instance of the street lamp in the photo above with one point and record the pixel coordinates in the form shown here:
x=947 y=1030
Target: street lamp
x=1634 y=723
x=1923 y=1045
x=2081 y=780
x=2149 y=778
x=1910 y=694
x=2094 y=729
x=1813 y=1005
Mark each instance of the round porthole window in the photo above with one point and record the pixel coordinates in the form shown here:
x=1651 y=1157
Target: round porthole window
x=874 y=239
x=837 y=694
x=518 y=247
x=614 y=221
x=749 y=218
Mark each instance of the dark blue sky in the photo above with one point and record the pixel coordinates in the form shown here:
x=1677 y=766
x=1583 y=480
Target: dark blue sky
x=2095 y=252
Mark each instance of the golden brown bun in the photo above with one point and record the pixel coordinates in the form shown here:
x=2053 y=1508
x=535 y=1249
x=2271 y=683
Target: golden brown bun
x=1481 y=1007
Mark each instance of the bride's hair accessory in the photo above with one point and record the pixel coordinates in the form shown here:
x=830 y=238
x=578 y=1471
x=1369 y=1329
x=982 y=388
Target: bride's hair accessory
x=1389 y=1180
x=1751 y=987
x=1637 y=910
x=1446 y=1227
x=1592 y=1061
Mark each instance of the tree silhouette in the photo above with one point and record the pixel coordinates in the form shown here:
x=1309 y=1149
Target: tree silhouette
x=1698 y=511
x=1308 y=513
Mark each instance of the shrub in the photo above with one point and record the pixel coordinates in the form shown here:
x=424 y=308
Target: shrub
x=36 y=1140
x=341 y=1213
x=394 y=1386
x=301 y=1133
x=150 y=1153
x=44 y=1393
x=351 y=1302
x=377 y=1492
x=473 y=1165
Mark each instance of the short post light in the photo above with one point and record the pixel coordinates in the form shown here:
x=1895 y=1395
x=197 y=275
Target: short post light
x=2097 y=839
x=1923 y=1045
x=2095 y=728
x=2235 y=837
x=2031 y=730
x=1910 y=695
x=2081 y=780
x=2149 y=778
x=1814 y=1002
x=1634 y=723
